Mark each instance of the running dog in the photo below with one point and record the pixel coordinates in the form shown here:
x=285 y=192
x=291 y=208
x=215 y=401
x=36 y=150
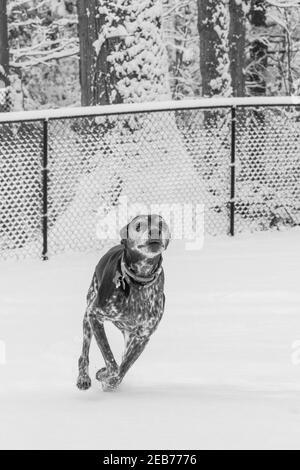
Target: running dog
x=127 y=289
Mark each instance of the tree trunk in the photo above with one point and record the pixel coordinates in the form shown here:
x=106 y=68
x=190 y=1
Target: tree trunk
x=4 y=50
x=213 y=29
x=253 y=128
x=122 y=55
x=89 y=26
x=238 y=10
x=4 y=59
x=258 y=50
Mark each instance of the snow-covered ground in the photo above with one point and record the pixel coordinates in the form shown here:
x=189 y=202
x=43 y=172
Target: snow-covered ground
x=219 y=373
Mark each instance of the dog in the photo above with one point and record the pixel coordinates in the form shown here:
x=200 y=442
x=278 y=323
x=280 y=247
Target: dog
x=127 y=289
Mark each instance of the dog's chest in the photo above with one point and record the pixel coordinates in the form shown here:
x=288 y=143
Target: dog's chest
x=138 y=313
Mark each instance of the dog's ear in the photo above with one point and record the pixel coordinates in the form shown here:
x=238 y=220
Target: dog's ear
x=124 y=234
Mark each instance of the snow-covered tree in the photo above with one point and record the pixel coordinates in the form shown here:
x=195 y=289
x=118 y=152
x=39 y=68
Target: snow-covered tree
x=123 y=44
x=213 y=25
x=123 y=56
x=43 y=48
x=182 y=42
x=283 y=38
x=257 y=70
x=41 y=32
x=238 y=10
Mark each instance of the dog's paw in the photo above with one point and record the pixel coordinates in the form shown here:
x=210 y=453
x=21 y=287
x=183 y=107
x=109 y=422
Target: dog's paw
x=110 y=383
x=84 y=382
x=104 y=373
x=101 y=374
x=109 y=379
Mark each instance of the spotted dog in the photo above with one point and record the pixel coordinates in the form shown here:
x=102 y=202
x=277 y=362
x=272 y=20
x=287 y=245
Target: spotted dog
x=127 y=289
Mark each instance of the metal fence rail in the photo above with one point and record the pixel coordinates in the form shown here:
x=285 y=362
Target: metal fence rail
x=62 y=172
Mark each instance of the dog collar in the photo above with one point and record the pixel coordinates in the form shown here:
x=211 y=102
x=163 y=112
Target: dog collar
x=129 y=275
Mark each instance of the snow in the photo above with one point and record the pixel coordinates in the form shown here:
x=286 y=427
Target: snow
x=222 y=371
x=245 y=4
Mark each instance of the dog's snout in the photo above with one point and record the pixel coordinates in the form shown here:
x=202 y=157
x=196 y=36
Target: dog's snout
x=155 y=235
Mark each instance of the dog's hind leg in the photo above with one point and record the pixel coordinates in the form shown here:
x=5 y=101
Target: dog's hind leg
x=84 y=381
x=134 y=348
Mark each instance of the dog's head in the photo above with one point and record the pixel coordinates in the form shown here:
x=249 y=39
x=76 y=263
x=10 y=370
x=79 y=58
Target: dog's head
x=147 y=235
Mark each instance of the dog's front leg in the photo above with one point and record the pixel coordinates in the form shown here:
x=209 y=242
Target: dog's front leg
x=112 y=369
x=135 y=345
x=84 y=381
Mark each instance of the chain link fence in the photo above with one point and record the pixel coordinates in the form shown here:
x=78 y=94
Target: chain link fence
x=5 y=100
x=268 y=168
x=61 y=178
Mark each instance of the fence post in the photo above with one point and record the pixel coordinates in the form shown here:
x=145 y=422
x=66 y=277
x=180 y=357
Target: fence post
x=232 y=171
x=45 y=190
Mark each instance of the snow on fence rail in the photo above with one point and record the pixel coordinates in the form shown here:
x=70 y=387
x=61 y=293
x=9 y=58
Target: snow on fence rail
x=149 y=107
x=63 y=172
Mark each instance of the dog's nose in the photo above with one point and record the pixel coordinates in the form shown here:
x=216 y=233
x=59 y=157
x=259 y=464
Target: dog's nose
x=155 y=235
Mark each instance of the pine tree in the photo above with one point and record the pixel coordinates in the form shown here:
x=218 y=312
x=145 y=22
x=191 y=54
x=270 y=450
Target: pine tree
x=123 y=58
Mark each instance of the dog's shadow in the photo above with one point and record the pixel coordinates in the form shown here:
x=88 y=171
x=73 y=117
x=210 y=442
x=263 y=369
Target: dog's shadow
x=189 y=392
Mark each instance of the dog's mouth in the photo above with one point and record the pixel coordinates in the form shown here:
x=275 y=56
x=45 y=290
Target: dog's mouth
x=155 y=245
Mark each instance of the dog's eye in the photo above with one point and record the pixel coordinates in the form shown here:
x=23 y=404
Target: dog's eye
x=138 y=227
